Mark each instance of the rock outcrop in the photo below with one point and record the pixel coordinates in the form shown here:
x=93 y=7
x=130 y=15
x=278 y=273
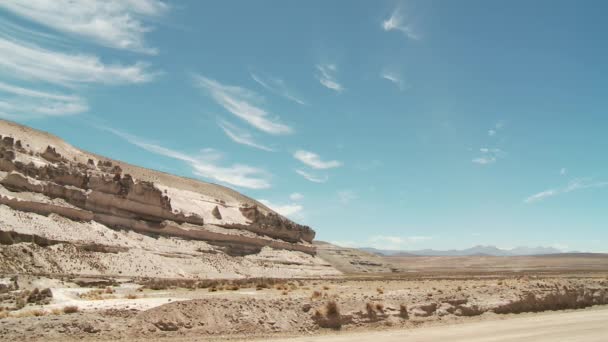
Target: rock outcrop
x=42 y=175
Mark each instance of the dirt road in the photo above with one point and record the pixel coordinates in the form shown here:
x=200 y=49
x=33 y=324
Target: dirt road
x=588 y=326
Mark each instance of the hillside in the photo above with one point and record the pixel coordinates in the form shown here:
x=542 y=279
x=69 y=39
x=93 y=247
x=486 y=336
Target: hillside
x=67 y=211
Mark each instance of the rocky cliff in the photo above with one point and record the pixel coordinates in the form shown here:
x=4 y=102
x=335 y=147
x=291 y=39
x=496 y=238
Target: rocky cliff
x=51 y=191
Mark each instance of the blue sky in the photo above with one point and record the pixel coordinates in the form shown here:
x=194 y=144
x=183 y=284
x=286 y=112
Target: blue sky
x=401 y=125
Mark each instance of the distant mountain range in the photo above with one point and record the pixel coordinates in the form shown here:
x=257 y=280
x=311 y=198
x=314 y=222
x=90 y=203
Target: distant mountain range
x=473 y=251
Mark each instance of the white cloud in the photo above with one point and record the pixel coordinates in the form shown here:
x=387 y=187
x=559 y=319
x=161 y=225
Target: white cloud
x=296 y=196
x=394 y=78
x=31 y=62
x=386 y=242
x=17 y=102
x=347 y=196
x=497 y=127
x=397 y=22
x=239 y=101
x=575 y=184
x=489 y=156
x=277 y=86
x=205 y=164
x=311 y=177
x=314 y=160
x=289 y=210
x=241 y=136
x=111 y=23
x=326 y=76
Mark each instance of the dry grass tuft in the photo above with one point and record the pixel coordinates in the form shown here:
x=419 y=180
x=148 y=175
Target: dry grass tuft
x=332 y=309
x=403 y=311
x=70 y=309
x=328 y=316
x=380 y=290
x=370 y=308
x=132 y=296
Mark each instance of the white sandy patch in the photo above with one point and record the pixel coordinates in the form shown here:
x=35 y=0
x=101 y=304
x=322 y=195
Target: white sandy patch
x=190 y=202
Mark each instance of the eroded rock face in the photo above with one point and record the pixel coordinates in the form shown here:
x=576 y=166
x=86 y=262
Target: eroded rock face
x=273 y=225
x=82 y=187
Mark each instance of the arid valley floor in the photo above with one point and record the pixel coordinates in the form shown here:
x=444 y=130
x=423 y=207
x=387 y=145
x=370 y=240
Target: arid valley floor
x=143 y=309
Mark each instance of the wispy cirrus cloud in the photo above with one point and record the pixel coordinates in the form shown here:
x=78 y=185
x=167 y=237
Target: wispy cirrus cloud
x=497 y=127
x=277 y=86
x=488 y=156
x=347 y=196
x=111 y=23
x=17 y=102
x=204 y=164
x=574 y=185
x=326 y=74
x=241 y=136
x=34 y=63
x=398 y=22
x=312 y=177
x=394 y=78
x=296 y=196
x=242 y=103
x=314 y=160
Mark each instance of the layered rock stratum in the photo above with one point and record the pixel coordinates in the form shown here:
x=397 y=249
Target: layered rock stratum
x=67 y=211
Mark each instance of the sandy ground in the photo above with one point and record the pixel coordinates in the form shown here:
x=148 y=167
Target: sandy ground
x=291 y=307
x=581 y=326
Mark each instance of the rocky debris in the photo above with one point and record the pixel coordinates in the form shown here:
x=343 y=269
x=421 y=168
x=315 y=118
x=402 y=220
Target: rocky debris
x=8 y=284
x=93 y=282
x=215 y=316
x=51 y=155
x=273 y=225
x=216 y=213
x=559 y=299
x=424 y=310
x=352 y=260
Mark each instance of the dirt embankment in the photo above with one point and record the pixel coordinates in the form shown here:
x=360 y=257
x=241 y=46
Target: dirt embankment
x=304 y=307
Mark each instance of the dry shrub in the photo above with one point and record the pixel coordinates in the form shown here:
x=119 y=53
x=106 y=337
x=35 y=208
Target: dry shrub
x=325 y=287
x=403 y=311
x=70 y=309
x=3 y=314
x=285 y=293
x=329 y=316
x=56 y=311
x=29 y=313
x=316 y=294
x=380 y=307
x=332 y=309
x=38 y=313
x=20 y=303
x=233 y=287
x=370 y=308
x=380 y=290
x=109 y=290
x=92 y=295
x=132 y=296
